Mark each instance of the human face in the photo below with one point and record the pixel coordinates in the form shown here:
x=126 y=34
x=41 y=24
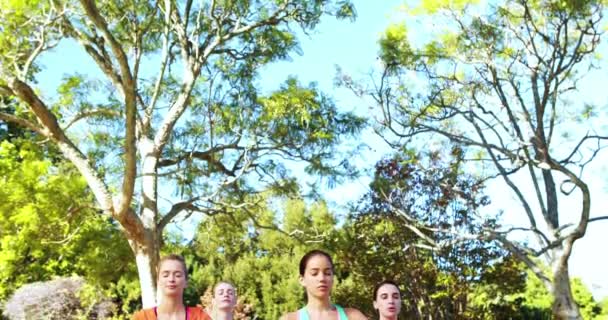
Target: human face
x=172 y=278
x=318 y=276
x=388 y=301
x=224 y=296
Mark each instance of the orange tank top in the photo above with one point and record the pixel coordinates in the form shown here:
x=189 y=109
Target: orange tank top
x=192 y=313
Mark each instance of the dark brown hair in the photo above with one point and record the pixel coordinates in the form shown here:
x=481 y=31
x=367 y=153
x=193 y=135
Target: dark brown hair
x=380 y=284
x=309 y=255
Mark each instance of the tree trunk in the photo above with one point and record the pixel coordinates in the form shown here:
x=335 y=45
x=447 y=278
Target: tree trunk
x=147 y=254
x=564 y=306
x=146 y=257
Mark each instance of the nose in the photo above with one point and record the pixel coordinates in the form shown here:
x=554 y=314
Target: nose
x=323 y=278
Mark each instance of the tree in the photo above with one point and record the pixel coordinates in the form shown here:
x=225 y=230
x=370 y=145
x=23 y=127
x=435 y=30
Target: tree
x=261 y=261
x=175 y=105
x=396 y=233
x=604 y=306
x=49 y=226
x=10 y=130
x=501 y=81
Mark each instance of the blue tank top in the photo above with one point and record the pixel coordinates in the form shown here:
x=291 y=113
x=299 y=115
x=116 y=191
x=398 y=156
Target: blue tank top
x=303 y=314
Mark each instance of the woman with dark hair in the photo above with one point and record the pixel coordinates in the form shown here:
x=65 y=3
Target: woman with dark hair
x=172 y=280
x=317 y=277
x=223 y=302
x=387 y=300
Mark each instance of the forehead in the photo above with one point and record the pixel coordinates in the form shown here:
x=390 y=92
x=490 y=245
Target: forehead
x=318 y=261
x=224 y=286
x=171 y=265
x=388 y=289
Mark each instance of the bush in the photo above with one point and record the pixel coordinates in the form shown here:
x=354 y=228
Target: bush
x=63 y=298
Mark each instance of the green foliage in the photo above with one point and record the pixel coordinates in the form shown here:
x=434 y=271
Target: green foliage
x=531 y=302
x=432 y=6
x=8 y=130
x=604 y=307
x=394 y=236
x=48 y=224
x=394 y=46
x=190 y=68
x=241 y=247
x=584 y=299
x=19 y=20
x=497 y=79
x=224 y=105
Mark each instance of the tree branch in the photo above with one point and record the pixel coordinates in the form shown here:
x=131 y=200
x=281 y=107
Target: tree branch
x=161 y=73
x=579 y=144
x=51 y=130
x=23 y=123
x=175 y=210
x=130 y=91
x=203 y=155
x=598 y=218
x=190 y=204
x=90 y=113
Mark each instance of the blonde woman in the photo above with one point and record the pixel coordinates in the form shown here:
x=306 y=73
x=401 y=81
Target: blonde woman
x=223 y=302
x=172 y=280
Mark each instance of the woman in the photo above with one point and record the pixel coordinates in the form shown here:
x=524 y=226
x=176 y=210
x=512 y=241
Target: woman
x=317 y=277
x=172 y=280
x=387 y=300
x=223 y=301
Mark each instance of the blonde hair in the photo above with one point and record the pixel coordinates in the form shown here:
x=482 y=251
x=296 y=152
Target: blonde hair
x=226 y=282
x=213 y=310
x=174 y=257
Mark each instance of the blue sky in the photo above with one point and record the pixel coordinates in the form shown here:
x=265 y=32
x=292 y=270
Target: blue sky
x=353 y=46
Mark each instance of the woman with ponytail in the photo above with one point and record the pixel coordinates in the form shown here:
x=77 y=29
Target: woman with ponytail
x=317 y=277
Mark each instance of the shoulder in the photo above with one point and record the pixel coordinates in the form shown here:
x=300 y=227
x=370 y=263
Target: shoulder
x=354 y=314
x=197 y=313
x=289 y=316
x=144 y=314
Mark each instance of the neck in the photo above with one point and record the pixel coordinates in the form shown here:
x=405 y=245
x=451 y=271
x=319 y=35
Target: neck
x=388 y=318
x=222 y=314
x=170 y=304
x=318 y=304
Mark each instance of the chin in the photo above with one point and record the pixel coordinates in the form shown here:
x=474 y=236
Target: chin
x=172 y=292
x=225 y=307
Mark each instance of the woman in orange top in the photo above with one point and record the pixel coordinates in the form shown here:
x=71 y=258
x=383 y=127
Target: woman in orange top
x=172 y=280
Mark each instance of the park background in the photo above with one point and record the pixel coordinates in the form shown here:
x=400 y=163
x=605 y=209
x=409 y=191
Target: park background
x=60 y=231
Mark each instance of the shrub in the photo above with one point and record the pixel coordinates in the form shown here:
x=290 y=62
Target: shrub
x=62 y=298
